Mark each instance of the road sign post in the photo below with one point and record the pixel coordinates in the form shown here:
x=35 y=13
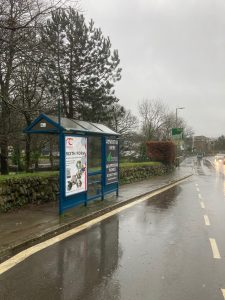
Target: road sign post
x=177 y=136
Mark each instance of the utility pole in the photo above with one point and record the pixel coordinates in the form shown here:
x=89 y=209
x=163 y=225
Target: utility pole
x=178 y=141
x=176 y=113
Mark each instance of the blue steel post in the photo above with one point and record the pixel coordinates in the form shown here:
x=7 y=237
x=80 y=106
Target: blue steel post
x=86 y=193
x=61 y=172
x=103 y=150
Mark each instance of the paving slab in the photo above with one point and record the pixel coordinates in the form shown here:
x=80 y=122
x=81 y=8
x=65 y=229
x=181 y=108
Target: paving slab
x=35 y=223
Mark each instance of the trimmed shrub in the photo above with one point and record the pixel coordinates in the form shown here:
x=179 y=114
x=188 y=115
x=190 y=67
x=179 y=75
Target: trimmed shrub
x=164 y=152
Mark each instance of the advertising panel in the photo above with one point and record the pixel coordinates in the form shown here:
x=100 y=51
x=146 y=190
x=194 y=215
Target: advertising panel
x=75 y=165
x=111 y=160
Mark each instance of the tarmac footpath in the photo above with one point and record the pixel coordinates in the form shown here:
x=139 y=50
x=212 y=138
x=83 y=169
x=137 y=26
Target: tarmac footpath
x=33 y=224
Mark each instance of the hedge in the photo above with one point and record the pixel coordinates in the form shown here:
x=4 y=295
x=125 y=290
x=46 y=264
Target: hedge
x=162 y=151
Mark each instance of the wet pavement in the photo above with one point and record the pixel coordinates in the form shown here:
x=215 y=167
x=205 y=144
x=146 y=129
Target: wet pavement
x=158 y=249
x=31 y=224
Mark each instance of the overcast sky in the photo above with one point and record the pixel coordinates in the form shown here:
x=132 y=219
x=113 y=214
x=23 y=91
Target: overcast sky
x=173 y=50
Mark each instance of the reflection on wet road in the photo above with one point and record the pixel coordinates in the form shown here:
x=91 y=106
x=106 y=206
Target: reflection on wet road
x=158 y=249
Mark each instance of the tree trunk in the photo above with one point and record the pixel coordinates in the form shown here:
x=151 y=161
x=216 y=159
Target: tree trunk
x=27 y=153
x=4 y=92
x=4 y=140
x=4 y=157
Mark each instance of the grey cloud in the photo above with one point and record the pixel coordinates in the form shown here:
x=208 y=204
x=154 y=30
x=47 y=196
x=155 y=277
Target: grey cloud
x=173 y=50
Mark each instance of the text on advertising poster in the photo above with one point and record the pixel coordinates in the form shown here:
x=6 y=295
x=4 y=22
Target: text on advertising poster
x=111 y=160
x=76 y=164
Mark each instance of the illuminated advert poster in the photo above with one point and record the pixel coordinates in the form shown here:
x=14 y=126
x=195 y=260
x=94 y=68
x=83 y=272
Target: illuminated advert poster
x=76 y=164
x=111 y=161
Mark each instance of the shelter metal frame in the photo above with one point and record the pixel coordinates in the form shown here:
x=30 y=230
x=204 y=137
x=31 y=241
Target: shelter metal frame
x=48 y=124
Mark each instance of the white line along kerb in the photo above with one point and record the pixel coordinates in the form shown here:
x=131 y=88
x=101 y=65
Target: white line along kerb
x=11 y=262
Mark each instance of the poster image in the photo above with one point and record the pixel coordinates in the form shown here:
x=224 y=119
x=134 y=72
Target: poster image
x=75 y=165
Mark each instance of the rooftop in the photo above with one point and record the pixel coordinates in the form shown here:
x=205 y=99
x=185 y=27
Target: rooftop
x=50 y=124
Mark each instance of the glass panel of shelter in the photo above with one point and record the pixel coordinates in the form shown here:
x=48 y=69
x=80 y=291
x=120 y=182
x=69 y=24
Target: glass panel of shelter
x=94 y=167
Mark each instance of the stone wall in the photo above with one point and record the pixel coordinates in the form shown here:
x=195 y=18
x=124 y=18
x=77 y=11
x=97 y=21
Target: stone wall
x=18 y=192
x=134 y=174
x=15 y=193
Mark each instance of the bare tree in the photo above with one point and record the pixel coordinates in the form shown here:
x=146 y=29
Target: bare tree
x=126 y=124
x=157 y=121
x=31 y=95
x=172 y=122
x=122 y=120
x=153 y=114
x=18 y=18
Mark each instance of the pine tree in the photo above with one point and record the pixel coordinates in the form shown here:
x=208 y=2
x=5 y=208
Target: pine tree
x=82 y=68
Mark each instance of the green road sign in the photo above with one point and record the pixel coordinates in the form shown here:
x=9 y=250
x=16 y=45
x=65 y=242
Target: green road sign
x=177 y=133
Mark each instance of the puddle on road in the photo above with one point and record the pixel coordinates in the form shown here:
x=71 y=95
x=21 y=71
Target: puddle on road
x=164 y=200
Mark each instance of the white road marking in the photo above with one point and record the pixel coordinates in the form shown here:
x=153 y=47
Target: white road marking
x=206 y=218
x=13 y=261
x=215 y=250
x=200 y=196
x=197 y=189
x=223 y=292
x=202 y=204
x=196 y=184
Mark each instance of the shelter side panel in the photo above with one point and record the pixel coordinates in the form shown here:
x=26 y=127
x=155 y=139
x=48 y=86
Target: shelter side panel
x=112 y=154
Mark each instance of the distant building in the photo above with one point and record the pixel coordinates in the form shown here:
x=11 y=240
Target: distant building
x=188 y=144
x=201 y=144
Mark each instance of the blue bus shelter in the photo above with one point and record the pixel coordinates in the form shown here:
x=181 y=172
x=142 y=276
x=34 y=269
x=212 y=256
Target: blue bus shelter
x=76 y=179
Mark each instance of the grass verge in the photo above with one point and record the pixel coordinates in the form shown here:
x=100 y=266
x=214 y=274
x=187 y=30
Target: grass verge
x=139 y=164
x=25 y=175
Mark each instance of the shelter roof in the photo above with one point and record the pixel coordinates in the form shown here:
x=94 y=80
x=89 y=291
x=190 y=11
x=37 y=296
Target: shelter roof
x=50 y=124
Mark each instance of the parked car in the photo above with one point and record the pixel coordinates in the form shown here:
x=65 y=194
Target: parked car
x=220 y=158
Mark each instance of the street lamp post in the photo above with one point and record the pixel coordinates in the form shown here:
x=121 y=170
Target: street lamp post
x=178 y=163
x=176 y=113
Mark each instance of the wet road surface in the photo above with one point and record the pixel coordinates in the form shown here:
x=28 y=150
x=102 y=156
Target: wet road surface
x=169 y=247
